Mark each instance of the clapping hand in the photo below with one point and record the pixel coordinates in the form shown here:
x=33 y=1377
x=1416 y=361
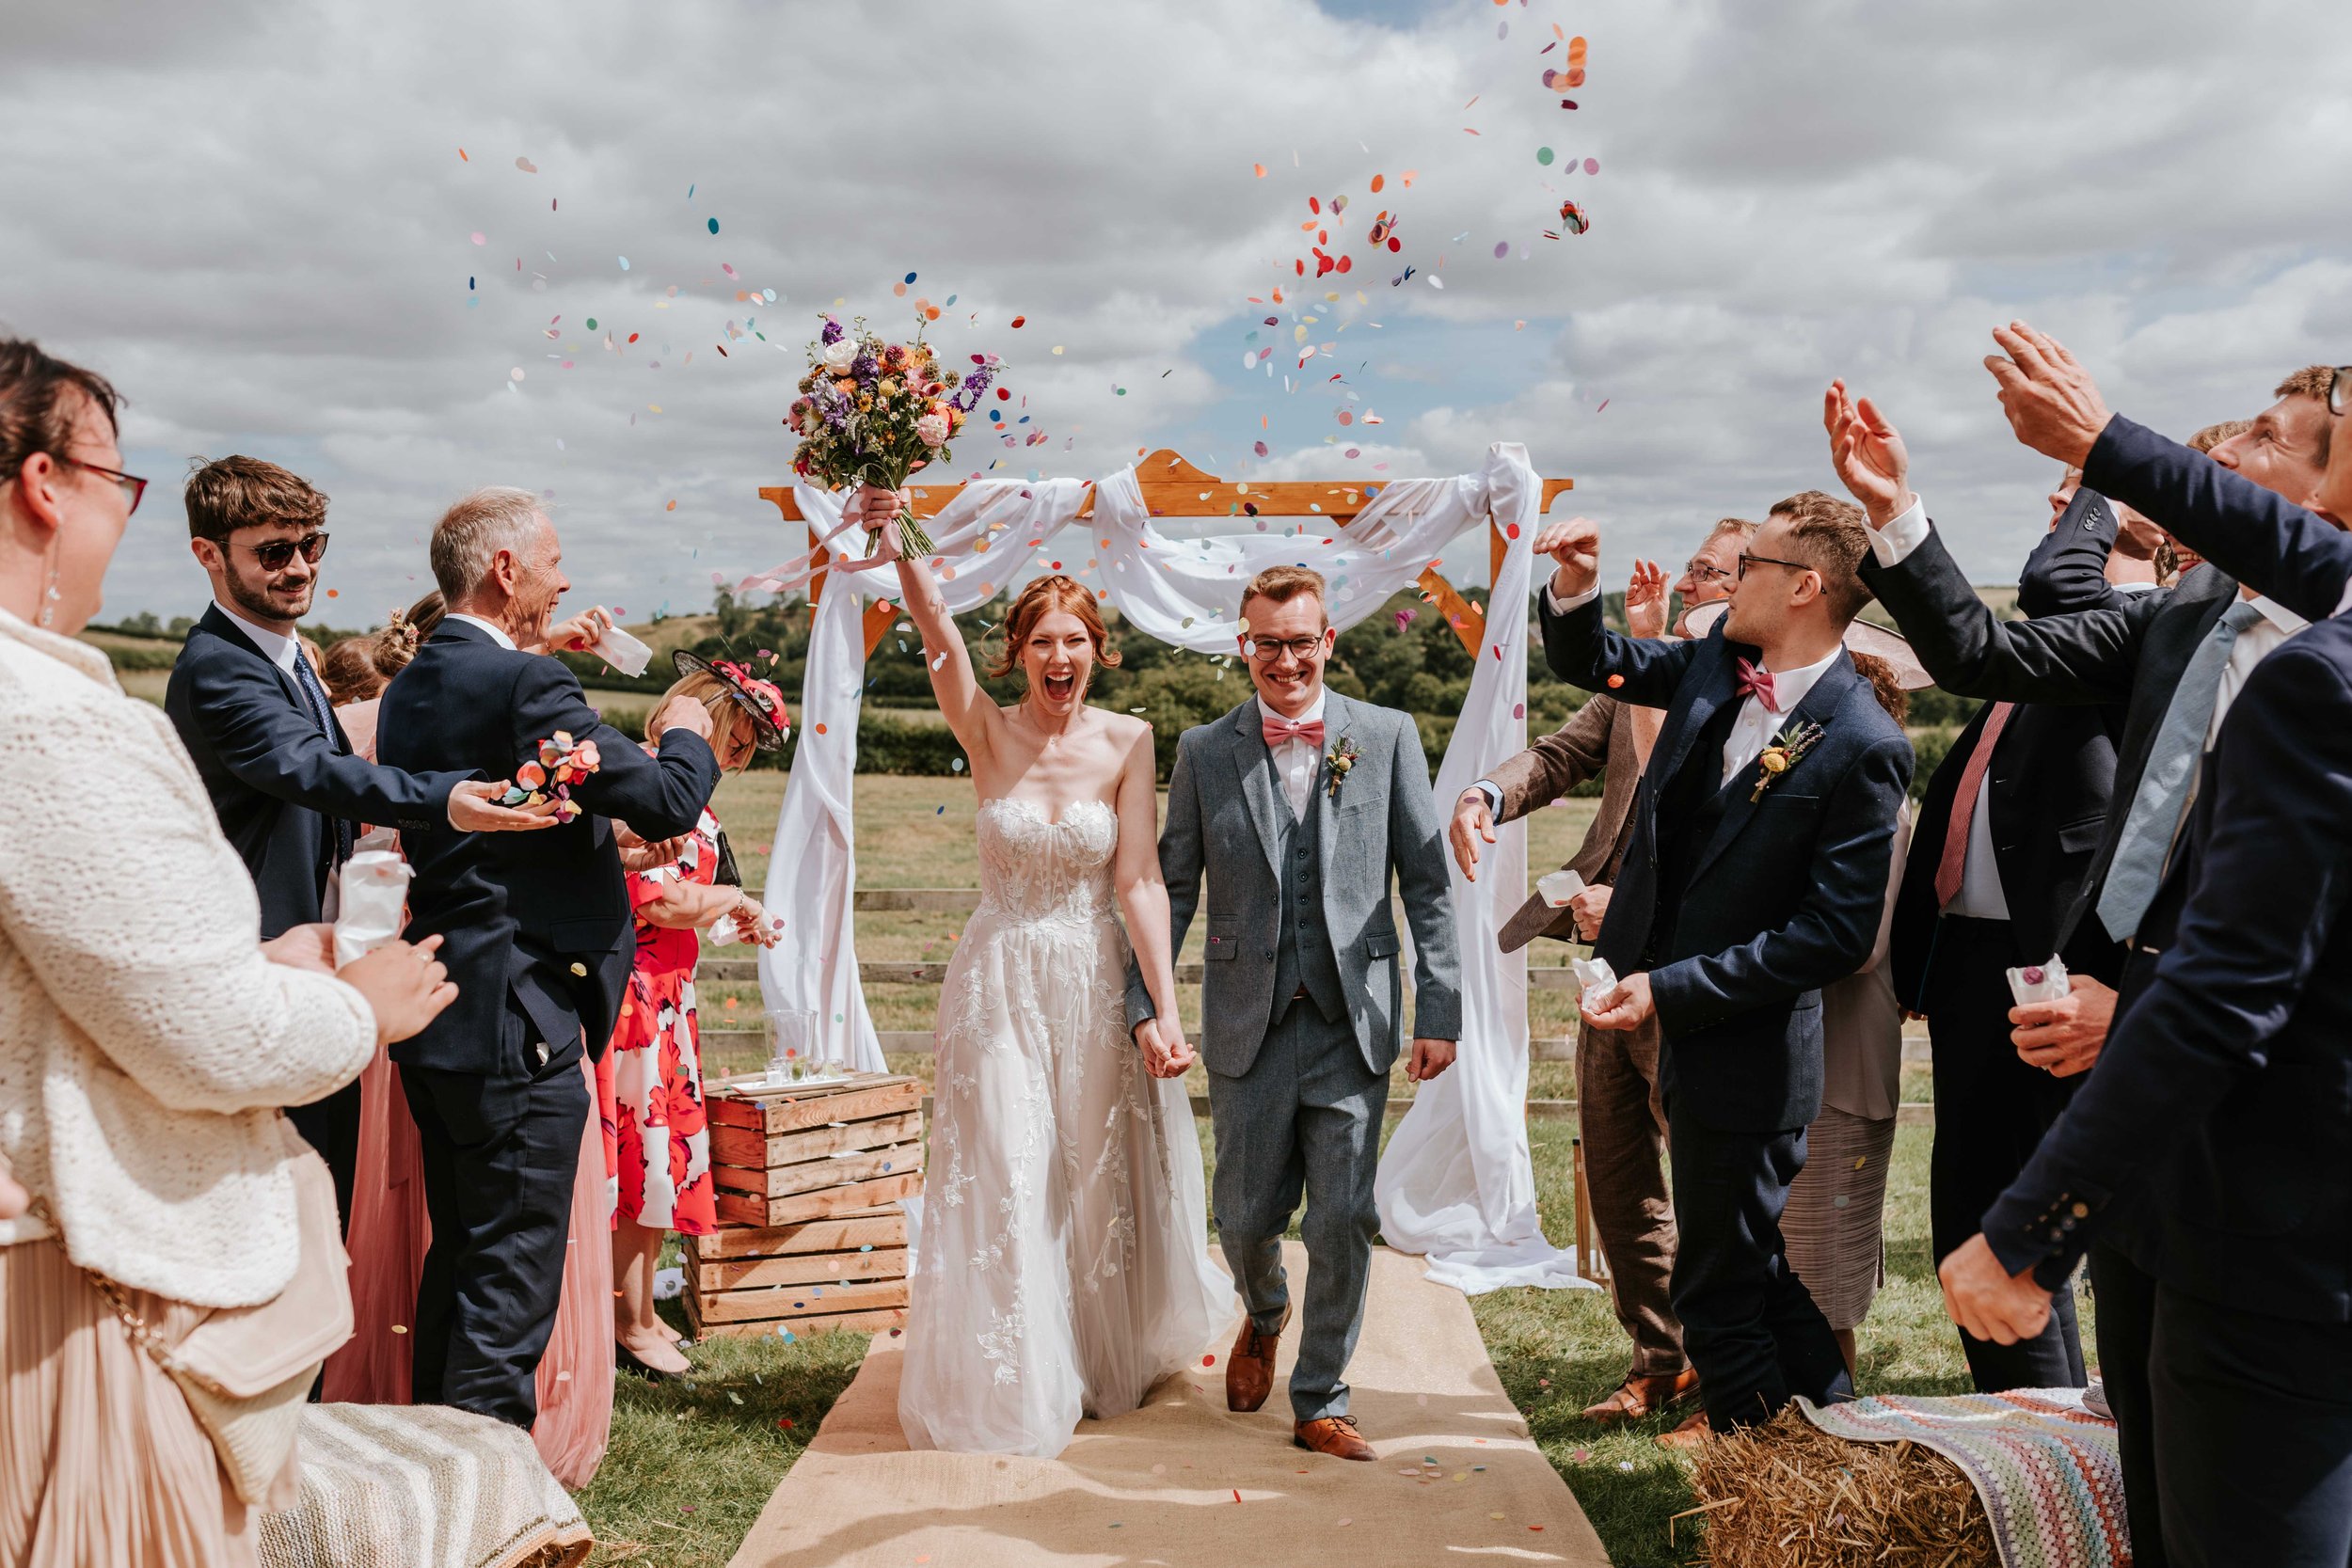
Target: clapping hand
x=1869 y=454
x=1646 y=600
x=1575 y=545
x=1986 y=1300
x=2052 y=402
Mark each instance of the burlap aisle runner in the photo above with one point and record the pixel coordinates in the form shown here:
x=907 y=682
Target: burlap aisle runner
x=1184 y=1482
x=2047 y=1471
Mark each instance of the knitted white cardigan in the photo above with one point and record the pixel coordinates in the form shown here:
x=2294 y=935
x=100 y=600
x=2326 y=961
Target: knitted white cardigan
x=145 y=1043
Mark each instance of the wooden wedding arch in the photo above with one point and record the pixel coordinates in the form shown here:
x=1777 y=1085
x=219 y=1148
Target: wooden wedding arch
x=1173 y=487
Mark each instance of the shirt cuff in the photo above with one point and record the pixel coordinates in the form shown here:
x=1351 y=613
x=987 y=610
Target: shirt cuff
x=1493 y=792
x=1560 y=607
x=1898 y=538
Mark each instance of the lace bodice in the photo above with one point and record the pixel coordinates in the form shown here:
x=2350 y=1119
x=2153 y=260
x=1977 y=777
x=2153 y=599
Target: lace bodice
x=1033 y=870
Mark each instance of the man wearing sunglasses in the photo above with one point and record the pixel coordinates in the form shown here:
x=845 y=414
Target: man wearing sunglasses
x=254 y=715
x=1622 y=1117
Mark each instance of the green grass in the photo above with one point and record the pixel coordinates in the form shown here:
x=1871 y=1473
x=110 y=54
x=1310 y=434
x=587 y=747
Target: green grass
x=692 y=1463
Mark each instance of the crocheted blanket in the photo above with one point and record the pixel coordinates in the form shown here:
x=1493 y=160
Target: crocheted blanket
x=2046 y=1469
x=421 y=1486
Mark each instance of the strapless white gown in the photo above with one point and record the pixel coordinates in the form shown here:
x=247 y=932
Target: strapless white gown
x=1063 y=1266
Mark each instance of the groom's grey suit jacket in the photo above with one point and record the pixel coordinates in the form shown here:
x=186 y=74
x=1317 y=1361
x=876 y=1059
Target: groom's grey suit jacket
x=1225 y=818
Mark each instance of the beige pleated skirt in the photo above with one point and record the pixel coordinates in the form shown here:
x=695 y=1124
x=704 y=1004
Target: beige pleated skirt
x=1834 y=1224
x=99 y=1459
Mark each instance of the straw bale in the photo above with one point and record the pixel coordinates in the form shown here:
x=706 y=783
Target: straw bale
x=1788 y=1495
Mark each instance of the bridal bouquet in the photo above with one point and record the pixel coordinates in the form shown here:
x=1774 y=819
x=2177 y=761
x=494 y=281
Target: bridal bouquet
x=872 y=412
x=561 y=763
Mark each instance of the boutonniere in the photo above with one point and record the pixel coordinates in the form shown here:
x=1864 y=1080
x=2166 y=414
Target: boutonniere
x=1792 y=742
x=1337 y=761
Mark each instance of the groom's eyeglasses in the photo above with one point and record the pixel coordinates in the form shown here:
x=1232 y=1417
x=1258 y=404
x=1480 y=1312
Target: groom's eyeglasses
x=1747 y=561
x=1267 y=650
x=279 y=554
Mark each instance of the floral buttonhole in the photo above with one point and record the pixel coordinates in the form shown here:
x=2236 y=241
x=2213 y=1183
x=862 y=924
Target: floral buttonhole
x=1791 y=743
x=1337 y=762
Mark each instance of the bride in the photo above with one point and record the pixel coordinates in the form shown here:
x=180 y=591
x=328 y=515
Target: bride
x=1063 y=1263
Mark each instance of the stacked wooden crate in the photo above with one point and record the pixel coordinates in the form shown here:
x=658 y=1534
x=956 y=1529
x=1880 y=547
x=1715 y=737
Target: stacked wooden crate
x=809 y=1177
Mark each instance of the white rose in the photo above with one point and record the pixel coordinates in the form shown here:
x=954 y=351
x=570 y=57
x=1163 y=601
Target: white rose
x=932 y=429
x=840 y=355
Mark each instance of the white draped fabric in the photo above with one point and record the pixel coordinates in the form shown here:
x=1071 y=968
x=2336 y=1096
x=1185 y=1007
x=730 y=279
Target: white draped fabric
x=1456 y=1183
x=811 y=873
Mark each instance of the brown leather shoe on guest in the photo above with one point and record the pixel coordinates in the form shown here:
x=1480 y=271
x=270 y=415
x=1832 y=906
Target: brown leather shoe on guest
x=1641 y=1395
x=1692 y=1433
x=1250 y=1370
x=1334 y=1435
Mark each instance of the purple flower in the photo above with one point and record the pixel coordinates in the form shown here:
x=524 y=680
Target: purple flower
x=832 y=334
x=866 y=369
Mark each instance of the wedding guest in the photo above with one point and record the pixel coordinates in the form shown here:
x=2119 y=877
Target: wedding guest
x=147 y=1036
x=2228 y=1106
x=1620 y=1117
x=1836 y=1220
x=249 y=705
x=538 y=935
x=394 y=646
x=2176 y=658
x=649 y=1085
x=350 y=672
x=1729 y=949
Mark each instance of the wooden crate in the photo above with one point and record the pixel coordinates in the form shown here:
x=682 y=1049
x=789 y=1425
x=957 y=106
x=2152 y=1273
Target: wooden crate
x=808 y=1180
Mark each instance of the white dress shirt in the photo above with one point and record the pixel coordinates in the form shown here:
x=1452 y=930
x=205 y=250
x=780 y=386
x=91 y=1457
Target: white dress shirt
x=278 y=648
x=498 y=634
x=1898 y=538
x=1295 y=761
x=1756 y=723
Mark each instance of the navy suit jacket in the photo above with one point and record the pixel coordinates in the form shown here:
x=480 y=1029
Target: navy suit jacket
x=542 y=917
x=277 y=783
x=2224 y=1092
x=1785 y=896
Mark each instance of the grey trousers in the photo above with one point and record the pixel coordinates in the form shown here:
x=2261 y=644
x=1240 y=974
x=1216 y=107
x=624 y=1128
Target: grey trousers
x=1304 y=1118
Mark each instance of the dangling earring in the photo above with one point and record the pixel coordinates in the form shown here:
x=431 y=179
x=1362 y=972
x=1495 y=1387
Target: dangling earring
x=49 y=600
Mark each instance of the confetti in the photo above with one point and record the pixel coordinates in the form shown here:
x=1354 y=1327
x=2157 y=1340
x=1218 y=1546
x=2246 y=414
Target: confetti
x=525 y=166
x=714 y=226
x=1573 y=219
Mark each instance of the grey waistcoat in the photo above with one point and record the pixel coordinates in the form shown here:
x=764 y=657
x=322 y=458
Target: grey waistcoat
x=1303 y=948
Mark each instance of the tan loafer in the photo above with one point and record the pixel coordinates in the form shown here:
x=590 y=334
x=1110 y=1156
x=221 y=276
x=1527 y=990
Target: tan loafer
x=1693 y=1434
x=1642 y=1396
x=1335 y=1435
x=1249 y=1367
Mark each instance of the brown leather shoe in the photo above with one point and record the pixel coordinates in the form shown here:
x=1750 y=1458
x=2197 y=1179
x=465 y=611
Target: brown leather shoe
x=1642 y=1396
x=1334 y=1435
x=1249 y=1368
x=1693 y=1434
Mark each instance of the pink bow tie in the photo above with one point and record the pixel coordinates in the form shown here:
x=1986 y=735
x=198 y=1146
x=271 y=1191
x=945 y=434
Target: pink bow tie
x=1758 y=681
x=1279 y=730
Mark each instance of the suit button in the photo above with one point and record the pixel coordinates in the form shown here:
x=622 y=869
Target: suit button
x=1269 y=952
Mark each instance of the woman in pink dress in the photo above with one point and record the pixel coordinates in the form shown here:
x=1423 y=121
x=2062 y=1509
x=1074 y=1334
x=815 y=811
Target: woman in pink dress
x=649 y=1085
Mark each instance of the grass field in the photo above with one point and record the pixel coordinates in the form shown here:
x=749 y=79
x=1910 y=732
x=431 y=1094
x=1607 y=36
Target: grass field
x=691 y=1462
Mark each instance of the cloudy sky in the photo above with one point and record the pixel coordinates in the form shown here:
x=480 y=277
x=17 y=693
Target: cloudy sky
x=255 y=216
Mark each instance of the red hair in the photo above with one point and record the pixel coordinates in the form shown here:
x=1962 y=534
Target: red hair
x=1042 y=599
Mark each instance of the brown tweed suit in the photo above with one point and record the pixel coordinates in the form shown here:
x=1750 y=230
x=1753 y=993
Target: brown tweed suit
x=1622 y=1123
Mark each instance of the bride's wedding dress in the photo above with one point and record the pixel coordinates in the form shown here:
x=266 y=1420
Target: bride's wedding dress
x=1063 y=1267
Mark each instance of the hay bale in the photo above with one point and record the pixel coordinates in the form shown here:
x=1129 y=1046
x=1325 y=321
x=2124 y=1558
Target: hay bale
x=1788 y=1495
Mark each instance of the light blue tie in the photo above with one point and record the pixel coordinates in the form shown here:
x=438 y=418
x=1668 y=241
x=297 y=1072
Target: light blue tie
x=2165 y=785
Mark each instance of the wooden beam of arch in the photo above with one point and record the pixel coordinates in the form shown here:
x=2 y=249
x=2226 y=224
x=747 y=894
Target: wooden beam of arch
x=1173 y=487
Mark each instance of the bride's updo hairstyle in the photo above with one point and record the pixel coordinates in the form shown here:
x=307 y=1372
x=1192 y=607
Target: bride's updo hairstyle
x=1040 y=598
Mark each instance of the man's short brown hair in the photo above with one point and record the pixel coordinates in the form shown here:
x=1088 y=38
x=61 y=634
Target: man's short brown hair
x=2312 y=381
x=1831 y=536
x=40 y=398
x=230 y=493
x=2213 y=435
x=1281 y=584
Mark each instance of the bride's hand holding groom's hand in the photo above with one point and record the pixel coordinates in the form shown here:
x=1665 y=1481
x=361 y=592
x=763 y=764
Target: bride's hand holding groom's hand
x=1166 y=1051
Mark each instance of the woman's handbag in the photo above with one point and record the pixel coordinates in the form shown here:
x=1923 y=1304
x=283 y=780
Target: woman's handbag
x=247 y=1370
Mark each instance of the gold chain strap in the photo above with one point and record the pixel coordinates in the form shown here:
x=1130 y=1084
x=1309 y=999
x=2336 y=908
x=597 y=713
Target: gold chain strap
x=135 y=1325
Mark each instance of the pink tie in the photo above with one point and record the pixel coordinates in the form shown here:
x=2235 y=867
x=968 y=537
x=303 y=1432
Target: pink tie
x=1758 y=681
x=1279 y=730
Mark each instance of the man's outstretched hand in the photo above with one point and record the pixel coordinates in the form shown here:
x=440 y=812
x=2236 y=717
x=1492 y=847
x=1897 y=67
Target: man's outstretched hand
x=1869 y=454
x=2050 y=400
x=1473 y=822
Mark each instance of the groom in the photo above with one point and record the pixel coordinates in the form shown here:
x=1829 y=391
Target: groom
x=1299 y=805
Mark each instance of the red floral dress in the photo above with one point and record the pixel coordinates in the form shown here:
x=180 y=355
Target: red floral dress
x=649 y=1086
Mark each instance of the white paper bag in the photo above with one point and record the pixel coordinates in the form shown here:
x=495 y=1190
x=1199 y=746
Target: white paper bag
x=1557 y=887
x=2048 y=984
x=1595 y=982
x=375 y=890
x=623 y=652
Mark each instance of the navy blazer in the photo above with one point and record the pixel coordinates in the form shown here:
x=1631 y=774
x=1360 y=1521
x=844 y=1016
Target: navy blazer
x=543 y=916
x=2225 y=1087
x=2051 y=777
x=276 y=783
x=2258 y=536
x=1772 y=915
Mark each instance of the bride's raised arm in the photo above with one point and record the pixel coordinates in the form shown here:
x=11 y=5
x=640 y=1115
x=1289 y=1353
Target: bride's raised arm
x=971 y=713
